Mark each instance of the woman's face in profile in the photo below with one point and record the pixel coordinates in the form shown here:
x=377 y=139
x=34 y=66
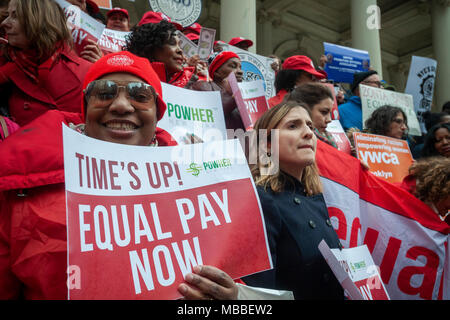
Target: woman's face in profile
x=14 y=29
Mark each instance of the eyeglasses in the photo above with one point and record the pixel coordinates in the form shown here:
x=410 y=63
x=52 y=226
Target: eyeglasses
x=376 y=83
x=104 y=92
x=400 y=121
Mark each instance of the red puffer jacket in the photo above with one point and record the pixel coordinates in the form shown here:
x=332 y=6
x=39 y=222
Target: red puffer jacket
x=60 y=90
x=33 y=247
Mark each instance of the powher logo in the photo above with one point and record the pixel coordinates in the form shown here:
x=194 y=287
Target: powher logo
x=195 y=169
x=121 y=60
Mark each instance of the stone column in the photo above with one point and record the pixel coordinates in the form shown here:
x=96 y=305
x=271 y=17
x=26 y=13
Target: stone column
x=238 y=19
x=440 y=19
x=366 y=21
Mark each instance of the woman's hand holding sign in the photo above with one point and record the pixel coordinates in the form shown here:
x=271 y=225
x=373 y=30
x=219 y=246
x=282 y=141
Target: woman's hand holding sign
x=208 y=283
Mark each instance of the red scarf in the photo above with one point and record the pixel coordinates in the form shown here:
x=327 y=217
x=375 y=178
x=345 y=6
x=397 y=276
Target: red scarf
x=28 y=62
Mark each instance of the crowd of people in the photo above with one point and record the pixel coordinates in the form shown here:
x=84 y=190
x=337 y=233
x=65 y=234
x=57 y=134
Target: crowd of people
x=44 y=82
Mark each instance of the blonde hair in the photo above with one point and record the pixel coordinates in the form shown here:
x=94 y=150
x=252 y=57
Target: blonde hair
x=44 y=24
x=278 y=181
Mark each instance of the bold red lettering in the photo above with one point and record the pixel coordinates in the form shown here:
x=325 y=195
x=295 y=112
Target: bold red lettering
x=370 y=239
x=356 y=227
x=389 y=259
x=137 y=185
x=113 y=175
x=99 y=177
x=151 y=177
x=342 y=222
x=429 y=272
x=167 y=172
x=80 y=158
x=441 y=285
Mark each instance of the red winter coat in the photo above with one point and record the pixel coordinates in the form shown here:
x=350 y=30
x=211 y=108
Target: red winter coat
x=33 y=247
x=61 y=90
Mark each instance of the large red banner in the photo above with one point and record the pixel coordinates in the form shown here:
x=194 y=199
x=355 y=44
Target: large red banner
x=406 y=238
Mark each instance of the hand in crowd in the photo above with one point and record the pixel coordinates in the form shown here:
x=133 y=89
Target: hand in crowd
x=208 y=283
x=91 y=52
x=191 y=138
x=201 y=67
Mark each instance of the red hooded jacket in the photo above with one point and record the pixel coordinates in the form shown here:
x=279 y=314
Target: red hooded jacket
x=33 y=247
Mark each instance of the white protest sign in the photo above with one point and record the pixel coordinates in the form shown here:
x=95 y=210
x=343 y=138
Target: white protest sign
x=421 y=78
x=193 y=112
x=139 y=218
x=250 y=99
x=373 y=98
x=355 y=264
x=335 y=129
x=255 y=67
x=82 y=26
x=112 y=40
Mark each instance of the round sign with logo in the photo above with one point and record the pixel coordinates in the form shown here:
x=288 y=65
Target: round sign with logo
x=184 y=12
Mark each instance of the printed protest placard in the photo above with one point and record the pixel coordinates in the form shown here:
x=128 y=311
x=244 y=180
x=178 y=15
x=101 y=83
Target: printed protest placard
x=373 y=98
x=112 y=40
x=356 y=271
x=140 y=218
x=250 y=99
x=420 y=85
x=335 y=129
x=193 y=112
x=255 y=67
x=343 y=62
x=82 y=26
x=388 y=158
x=104 y=4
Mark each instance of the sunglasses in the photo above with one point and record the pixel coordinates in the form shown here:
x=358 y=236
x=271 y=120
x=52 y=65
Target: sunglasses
x=104 y=92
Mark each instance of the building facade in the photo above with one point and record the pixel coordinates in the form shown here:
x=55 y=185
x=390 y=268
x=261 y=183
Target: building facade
x=392 y=31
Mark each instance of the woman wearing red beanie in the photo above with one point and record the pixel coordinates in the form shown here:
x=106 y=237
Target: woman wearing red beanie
x=33 y=247
x=221 y=65
x=159 y=43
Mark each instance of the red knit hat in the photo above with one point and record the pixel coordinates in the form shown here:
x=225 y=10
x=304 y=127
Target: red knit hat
x=219 y=60
x=126 y=62
x=302 y=63
x=157 y=17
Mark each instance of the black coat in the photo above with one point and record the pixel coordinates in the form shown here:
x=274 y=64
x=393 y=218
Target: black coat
x=295 y=225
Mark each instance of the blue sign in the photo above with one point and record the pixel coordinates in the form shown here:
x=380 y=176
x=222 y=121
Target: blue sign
x=343 y=62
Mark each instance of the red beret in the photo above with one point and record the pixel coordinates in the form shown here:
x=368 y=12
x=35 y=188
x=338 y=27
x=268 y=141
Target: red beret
x=126 y=62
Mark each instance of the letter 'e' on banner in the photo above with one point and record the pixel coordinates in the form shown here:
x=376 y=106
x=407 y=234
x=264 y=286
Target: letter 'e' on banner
x=388 y=158
x=139 y=220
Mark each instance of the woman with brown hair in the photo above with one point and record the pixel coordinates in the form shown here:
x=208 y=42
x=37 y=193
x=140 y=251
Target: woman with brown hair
x=320 y=101
x=38 y=68
x=295 y=213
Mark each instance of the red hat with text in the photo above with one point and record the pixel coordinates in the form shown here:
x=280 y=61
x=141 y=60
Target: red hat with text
x=118 y=10
x=237 y=40
x=302 y=63
x=126 y=62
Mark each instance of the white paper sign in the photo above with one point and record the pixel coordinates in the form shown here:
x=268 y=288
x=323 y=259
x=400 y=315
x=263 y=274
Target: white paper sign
x=373 y=98
x=355 y=270
x=112 y=40
x=421 y=78
x=193 y=112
